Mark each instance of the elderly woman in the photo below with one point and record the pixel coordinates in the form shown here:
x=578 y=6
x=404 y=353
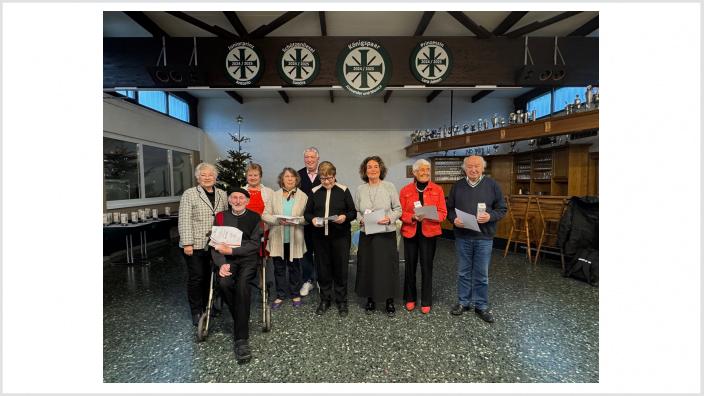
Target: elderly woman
x=286 y=241
x=259 y=194
x=196 y=213
x=377 y=257
x=331 y=236
x=420 y=234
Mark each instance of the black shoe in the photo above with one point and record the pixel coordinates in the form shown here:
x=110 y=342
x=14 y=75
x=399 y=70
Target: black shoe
x=370 y=306
x=459 y=309
x=342 y=309
x=390 y=309
x=323 y=307
x=485 y=314
x=242 y=352
x=196 y=318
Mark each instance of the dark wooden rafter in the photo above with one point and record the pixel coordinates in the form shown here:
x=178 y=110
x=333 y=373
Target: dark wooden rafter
x=145 y=22
x=234 y=95
x=263 y=30
x=511 y=19
x=478 y=30
x=531 y=27
x=284 y=96
x=433 y=95
x=323 y=24
x=332 y=96
x=587 y=28
x=387 y=95
x=424 y=22
x=236 y=23
x=481 y=94
x=216 y=30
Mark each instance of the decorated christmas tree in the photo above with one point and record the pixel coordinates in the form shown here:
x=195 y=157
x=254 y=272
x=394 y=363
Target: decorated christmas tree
x=232 y=170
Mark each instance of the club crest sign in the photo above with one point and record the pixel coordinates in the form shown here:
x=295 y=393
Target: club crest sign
x=299 y=64
x=243 y=63
x=363 y=68
x=431 y=62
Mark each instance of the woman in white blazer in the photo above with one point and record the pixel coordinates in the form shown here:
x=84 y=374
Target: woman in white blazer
x=286 y=240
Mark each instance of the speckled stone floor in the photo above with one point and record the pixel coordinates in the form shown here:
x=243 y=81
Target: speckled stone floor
x=546 y=330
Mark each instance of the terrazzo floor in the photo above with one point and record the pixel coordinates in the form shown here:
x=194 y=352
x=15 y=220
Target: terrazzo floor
x=546 y=331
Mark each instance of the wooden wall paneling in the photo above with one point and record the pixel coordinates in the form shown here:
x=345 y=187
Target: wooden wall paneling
x=578 y=174
x=593 y=174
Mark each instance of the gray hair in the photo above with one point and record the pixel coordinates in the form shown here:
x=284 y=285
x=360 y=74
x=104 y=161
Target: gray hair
x=311 y=148
x=204 y=166
x=419 y=163
x=464 y=161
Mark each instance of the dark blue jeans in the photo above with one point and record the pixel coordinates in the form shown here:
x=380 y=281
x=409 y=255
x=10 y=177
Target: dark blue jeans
x=473 y=257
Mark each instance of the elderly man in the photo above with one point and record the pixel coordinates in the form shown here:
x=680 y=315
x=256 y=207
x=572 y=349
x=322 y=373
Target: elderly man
x=309 y=179
x=237 y=267
x=480 y=196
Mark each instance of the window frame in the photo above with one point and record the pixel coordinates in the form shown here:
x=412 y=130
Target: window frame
x=168 y=94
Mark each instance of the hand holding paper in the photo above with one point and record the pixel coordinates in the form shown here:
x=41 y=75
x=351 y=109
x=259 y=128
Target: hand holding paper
x=225 y=235
x=469 y=220
x=429 y=212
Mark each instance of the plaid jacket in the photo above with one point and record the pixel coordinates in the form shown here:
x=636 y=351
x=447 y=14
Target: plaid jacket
x=196 y=215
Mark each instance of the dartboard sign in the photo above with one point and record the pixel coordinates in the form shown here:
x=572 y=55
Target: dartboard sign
x=363 y=68
x=431 y=62
x=299 y=63
x=244 y=63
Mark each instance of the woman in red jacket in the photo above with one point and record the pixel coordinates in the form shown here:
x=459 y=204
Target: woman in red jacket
x=420 y=233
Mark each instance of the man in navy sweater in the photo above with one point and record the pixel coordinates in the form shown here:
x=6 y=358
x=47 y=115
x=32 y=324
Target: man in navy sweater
x=473 y=248
x=309 y=180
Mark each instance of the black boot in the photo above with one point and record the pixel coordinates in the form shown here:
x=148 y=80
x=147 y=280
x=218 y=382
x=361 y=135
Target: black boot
x=242 y=352
x=390 y=309
x=323 y=307
x=342 y=309
x=370 y=306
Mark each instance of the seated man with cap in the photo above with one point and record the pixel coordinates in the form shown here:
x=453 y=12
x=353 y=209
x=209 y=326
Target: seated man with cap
x=237 y=266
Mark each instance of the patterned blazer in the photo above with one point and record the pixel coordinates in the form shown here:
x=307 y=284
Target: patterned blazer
x=196 y=215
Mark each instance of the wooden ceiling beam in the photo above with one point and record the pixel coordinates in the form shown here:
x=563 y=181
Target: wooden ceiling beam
x=462 y=18
x=216 y=30
x=146 y=23
x=234 y=95
x=511 y=19
x=263 y=30
x=284 y=96
x=433 y=95
x=481 y=94
x=530 y=28
x=323 y=25
x=387 y=95
x=424 y=22
x=587 y=28
x=236 y=23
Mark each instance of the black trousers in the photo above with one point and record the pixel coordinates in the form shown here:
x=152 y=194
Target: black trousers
x=198 y=283
x=292 y=287
x=236 y=290
x=414 y=248
x=332 y=255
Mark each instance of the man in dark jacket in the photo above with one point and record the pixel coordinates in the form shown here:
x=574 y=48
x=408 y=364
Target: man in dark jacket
x=237 y=266
x=309 y=179
x=480 y=196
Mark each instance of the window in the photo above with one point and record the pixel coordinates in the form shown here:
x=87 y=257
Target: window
x=120 y=169
x=183 y=172
x=566 y=95
x=178 y=108
x=153 y=99
x=129 y=94
x=157 y=181
x=541 y=105
x=137 y=173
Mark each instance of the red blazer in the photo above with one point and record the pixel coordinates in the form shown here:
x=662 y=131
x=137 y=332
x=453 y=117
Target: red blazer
x=432 y=195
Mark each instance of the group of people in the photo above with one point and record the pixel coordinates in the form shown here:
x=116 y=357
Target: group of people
x=308 y=226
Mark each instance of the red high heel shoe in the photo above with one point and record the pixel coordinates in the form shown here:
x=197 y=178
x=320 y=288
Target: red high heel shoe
x=425 y=310
x=410 y=306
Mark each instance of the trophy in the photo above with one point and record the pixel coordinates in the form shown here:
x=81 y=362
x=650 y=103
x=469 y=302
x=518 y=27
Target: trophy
x=134 y=216
x=167 y=211
x=465 y=128
x=486 y=124
x=123 y=218
x=526 y=117
x=115 y=217
x=533 y=115
x=155 y=213
x=519 y=117
x=495 y=121
x=456 y=130
x=512 y=118
x=480 y=125
x=473 y=128
x=503 y=122
x=106 y=219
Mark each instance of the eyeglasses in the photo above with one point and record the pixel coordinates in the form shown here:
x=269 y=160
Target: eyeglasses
x=327 y=178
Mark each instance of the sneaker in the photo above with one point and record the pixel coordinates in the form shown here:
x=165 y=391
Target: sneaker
x=459 y=309
x=297 y=303
x=306 y=288
x=277 y=303
x=242 y=352
x=425 y=310
x=485 y=314
x=410 y=306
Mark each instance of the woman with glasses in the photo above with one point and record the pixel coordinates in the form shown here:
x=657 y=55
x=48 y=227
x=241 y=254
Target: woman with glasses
x=286 y=240
x=330 y=210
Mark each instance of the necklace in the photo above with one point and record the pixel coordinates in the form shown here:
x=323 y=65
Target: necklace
x=372 y=198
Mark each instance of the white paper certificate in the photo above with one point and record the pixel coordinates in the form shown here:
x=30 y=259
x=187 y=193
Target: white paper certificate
x=230 y=236
x=430 y=212
x=291 y=219
x=370 y=222
x=469 y=220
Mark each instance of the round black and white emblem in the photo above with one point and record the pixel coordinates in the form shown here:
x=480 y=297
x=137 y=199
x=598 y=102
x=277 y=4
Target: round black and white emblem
x=299 y=63
x=431 y=62
x=244 y=63
x=363 y=68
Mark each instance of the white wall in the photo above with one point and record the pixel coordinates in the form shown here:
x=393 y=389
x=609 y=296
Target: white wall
x=345 y=131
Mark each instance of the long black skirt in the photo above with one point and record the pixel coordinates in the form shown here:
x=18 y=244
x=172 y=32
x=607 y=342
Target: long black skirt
x=377 y=266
